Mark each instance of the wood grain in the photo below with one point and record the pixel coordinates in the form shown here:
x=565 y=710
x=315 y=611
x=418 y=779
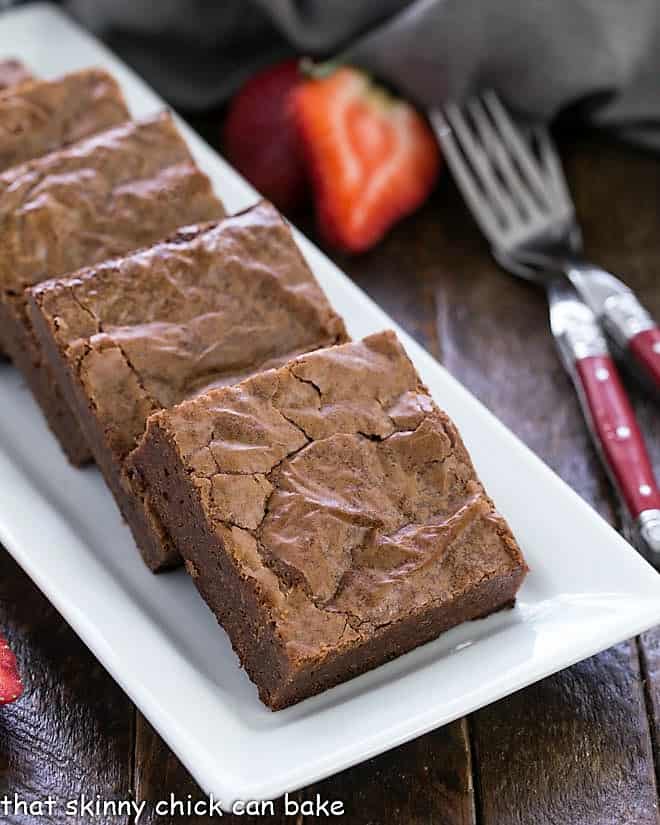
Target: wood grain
x=575 y=749
x=564 y=741
x=425 y=781
x=634 y=251
x=650 y=658
x=627 y=242
x=71 y=732
x=159 y=773
x=428 y=780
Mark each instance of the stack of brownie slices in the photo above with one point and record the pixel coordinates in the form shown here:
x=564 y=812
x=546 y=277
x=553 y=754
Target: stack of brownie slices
x=326 y=509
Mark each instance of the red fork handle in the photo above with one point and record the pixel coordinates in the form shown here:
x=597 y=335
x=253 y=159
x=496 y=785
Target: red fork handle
x=617 y=433
x=645 y=349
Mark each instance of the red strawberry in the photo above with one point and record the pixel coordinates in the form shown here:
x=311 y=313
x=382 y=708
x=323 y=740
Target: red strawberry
x=372 y=157
x=11 y=686
x=260 y=137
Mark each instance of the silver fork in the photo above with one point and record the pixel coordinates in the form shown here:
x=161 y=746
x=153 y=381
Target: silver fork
x=520 y=200
x=523 y=206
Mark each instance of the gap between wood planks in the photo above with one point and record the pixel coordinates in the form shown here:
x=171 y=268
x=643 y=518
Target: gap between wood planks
x=434 y=276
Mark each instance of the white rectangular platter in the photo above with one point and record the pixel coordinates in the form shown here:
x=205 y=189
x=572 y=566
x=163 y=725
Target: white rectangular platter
x=587 y=589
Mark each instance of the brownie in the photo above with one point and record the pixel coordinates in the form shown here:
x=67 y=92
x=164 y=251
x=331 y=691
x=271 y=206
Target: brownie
x=13 y=73
x=39 y=117
x=116 y=191
x=210 y=306
x=329 y=515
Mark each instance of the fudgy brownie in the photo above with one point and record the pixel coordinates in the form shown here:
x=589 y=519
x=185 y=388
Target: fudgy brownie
x=210 y=306
x=116 y=191
x=13 y=73
x=39 y=117
x=329 y=514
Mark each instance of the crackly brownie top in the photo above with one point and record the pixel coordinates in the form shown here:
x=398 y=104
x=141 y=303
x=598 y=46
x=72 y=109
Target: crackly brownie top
x=342 y=490
x=103 y=196
x=207 y=307
x=45 y=115
x=13 y=73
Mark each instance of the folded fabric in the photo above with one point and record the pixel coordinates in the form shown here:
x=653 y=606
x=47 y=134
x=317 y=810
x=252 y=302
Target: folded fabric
x=600 y=56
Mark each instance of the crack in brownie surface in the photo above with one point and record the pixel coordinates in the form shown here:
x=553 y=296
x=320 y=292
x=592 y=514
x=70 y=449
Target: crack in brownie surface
x=106 y=195
x=205 y=308
x=342 y=492
x=177 y=319
x=100 y=198
x=354 y=483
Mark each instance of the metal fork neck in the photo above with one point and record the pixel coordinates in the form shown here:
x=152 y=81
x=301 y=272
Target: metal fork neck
x=617 y=308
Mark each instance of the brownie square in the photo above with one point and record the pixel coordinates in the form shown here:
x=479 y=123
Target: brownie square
x=329 y=515
x=119 y=190
x=38 y=117
x=210 y=306
x=13 y=73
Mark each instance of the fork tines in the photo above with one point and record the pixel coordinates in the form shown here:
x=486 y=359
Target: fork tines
x=512 y=193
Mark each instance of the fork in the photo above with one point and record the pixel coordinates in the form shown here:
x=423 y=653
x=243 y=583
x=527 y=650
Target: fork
x=530 y=217
x=520 y=201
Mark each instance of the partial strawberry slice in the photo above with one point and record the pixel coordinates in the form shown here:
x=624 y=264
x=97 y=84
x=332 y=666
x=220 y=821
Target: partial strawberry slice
x=11 y=686
x=372 y=158
x=260 y=137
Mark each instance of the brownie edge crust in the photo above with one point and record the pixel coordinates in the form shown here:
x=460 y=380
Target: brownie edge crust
x=121 y=189
x=329 y=515
x=13 y=73
x=206 y=307
x=45 y=115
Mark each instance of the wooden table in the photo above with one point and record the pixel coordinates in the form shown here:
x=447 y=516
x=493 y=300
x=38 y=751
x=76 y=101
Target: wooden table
x=579 y=748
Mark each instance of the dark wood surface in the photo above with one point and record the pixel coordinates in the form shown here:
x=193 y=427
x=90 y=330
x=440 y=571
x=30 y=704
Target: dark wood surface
x=579 y=748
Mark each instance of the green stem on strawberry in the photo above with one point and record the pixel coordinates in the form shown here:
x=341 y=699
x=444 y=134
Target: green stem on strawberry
x=318 y=71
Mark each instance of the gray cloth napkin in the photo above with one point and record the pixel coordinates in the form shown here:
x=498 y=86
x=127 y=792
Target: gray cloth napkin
x=599 y=57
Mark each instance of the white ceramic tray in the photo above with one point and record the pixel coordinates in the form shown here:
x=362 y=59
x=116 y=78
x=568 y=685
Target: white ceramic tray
x=587 y=589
